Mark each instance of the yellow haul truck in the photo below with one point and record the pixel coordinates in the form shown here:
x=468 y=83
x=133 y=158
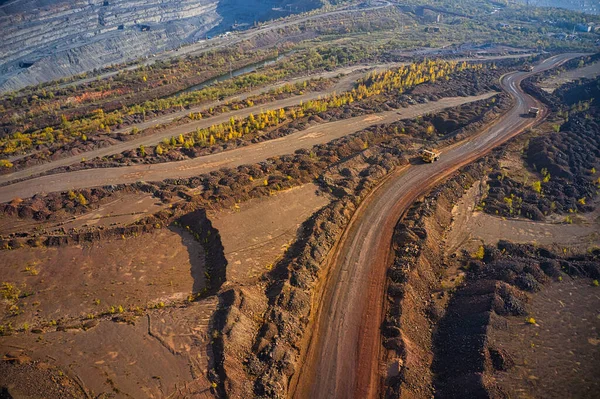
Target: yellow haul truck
x=430 y=156
x=533 y=112
x=527 y=68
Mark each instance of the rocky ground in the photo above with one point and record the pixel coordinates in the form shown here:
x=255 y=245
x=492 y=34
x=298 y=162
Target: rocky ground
x=49 y=40
x=498 y=320
x=221 y=304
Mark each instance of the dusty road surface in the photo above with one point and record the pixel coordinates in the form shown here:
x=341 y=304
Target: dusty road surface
x=588 y=71
x=307 y=138
x=342 y=359
x=346 y=83
x=157 y=137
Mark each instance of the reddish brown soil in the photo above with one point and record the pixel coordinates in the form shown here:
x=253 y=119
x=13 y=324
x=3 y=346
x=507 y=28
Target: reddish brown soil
x=252 y=248
x=153 y=356
x=559 y=355
x=72 y=282
x=153 y=346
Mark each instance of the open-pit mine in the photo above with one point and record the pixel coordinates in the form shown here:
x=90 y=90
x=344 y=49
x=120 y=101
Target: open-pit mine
x=302 y=199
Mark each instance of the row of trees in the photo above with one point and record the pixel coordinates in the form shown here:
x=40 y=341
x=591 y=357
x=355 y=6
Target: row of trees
x=411 y=75
x=102 y=122
x=391 y=81
x=395 y=80
x=223 y=132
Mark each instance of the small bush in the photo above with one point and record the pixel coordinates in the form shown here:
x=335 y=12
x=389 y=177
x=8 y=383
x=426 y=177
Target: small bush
x=479 y=254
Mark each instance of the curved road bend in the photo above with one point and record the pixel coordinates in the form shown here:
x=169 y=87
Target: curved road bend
x=353 y=73
x=318 y=134
x=342 y=358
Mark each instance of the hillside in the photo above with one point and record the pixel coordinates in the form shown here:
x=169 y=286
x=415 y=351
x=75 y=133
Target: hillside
x=49 y=39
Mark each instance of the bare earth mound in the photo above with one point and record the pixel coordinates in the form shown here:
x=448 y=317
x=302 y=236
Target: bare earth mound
x=557 y=357
x=256 y=233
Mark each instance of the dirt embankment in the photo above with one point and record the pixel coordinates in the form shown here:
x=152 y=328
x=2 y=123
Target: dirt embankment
x=199 y=225
x=414 y=277
x=259 y=352
x=569 y=73
x=498 y=287
x=561 y=165
x=442 y=310
x=533 y=85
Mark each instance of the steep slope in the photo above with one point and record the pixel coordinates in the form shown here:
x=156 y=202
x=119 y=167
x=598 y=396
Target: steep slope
x=48 y=39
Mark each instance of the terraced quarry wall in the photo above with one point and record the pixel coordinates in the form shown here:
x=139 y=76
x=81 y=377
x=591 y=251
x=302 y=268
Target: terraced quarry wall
x=46 y=40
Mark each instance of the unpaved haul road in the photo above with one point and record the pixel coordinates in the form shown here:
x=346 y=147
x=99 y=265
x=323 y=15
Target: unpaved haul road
x=346 y=83
x=318 y=134
x=342 y=358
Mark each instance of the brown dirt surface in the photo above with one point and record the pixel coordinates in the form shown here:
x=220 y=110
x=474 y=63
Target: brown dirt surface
x=68 y=282
x=588 y=71
x=155 y=346
x=256 y=233
x=153 y=356
x=559 y=355
x=35 y=380
x=122 y=209
x=318 y=134
x=471 y=228
x=151 y=350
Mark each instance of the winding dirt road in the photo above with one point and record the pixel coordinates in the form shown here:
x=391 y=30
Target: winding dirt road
x=352 y=74
x=342 y=358
x=318 y=134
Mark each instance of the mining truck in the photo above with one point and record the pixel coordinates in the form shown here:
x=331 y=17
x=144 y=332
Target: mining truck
x=527 y=68
x=533 y=112
x=430 y=156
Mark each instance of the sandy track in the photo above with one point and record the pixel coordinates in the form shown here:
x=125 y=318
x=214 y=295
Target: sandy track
x=342 y=360
x=353 y=73
x=344 y=84
x=588 y=71
x=318 y=134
